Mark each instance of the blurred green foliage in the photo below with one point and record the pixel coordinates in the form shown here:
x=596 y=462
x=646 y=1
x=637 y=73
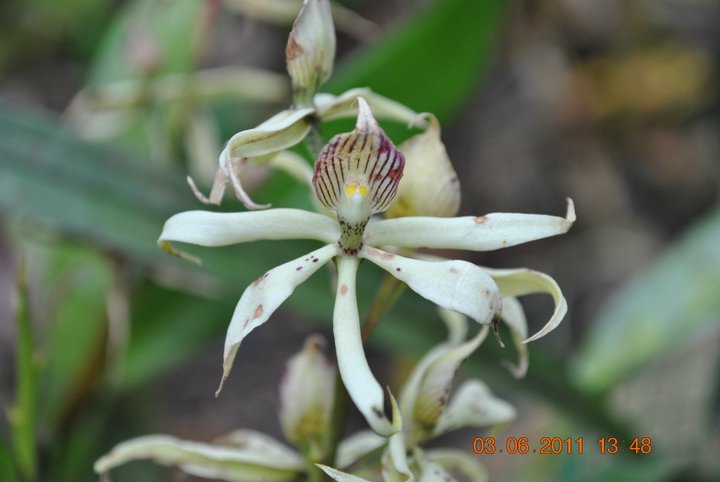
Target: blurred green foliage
x=108 y=205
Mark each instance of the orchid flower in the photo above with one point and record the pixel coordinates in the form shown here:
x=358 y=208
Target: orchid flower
x=356 y=176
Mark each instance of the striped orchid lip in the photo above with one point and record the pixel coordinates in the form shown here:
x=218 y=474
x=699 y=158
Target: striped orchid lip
x=357 y=175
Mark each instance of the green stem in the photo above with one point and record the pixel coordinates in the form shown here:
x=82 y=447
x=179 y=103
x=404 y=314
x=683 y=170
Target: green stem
x=22 y=419
x=314 y=140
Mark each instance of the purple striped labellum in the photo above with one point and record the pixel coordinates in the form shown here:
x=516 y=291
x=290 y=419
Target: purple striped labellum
x=357 y=175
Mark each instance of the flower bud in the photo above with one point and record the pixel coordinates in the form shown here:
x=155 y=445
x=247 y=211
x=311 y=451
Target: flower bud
x=307 y=389
x=430 y=186
x=310 y=50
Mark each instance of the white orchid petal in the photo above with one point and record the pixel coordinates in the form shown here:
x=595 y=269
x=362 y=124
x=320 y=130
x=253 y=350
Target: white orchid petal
x=258 y=442
x=216 y=461
x=206 y=228
x=395 y=466
x=459 y=463
x=514 y=317
x=363 y=388
x=483 y=233
x=455 y=285
x=281 y=131
x=437 y=380
x=474 y=405
x=345 y=106
x=456 y=324
x=340 y=476
x=265 y=295
x=519 y=282
x=431 y=471
x=358 y=445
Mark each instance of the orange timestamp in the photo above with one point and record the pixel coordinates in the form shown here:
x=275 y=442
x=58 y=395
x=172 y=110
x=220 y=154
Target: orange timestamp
x=559 y=445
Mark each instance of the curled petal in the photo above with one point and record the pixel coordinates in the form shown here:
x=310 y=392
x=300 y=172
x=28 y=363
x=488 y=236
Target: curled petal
x=482 y=233
x=230 y=463
x=206 y=228
x=463 y=465
x=231 y=168
x=514 y=317
x=345 y=106
x=474 y=405
x=265 y=295
x=281 y=131
x=455 y=285
x=519 y=282
x=456 y=324
x=363 y=388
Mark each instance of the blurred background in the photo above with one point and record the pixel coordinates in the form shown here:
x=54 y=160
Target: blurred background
x=105 y=106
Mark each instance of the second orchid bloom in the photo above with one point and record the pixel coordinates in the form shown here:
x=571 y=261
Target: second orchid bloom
x=357 y=176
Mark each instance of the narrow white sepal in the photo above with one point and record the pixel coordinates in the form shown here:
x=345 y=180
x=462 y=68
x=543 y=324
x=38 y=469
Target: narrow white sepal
x=519 y=282
x=229 y=463
x=265 y=295
x=205 y=228
x=431 y=471
x=395 y=466
x=455 y=285
x=345 y=105
x=357 y=446
x=482 y=233
x=459 y=463
x=340 y=476
x=473 y=405
x=363 y=388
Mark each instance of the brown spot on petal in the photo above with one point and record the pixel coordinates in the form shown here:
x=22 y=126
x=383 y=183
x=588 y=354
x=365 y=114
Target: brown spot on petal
x=480 y=219
x=454 y=270
x=293 y=49
x=343 y=289
x=260 y=279
x=258 y=312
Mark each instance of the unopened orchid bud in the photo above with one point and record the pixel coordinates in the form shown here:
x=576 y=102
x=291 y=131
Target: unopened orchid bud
x=357 y=175
x=310 y=50
x=307 y=390
x=430 y=186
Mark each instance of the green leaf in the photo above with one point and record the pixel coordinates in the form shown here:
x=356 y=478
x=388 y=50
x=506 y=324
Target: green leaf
x=170 y=27
x=74 y=289
x=7 y=468
x=675 y=300
x=434 y=61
